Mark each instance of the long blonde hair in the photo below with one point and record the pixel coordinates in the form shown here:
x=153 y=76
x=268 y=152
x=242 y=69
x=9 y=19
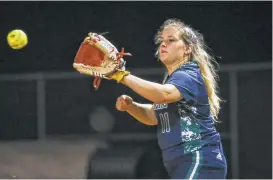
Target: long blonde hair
x=199 y=53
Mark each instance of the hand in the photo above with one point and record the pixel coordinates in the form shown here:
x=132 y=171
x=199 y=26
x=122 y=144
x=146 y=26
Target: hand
x=123 y=102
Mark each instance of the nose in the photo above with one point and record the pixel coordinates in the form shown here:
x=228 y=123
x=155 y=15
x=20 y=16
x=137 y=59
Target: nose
x=163 y=44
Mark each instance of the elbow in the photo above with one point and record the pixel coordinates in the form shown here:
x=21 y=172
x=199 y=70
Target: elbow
x=161 y=100
x=160 y=96
x=165 y=100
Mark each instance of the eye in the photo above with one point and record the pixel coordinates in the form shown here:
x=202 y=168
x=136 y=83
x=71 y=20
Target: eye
x=172 y=40
x=167 y=41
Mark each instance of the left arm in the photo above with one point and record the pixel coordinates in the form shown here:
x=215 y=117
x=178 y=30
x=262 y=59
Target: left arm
x=154 y=92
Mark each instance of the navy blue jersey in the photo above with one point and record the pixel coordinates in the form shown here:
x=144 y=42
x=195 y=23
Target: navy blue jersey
x=187 y=125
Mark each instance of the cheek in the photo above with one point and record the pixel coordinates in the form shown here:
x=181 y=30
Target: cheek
x=178 y=51
x=181 y=50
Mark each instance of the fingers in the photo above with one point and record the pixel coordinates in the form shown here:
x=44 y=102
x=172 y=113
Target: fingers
x=119 y=105
x=127 y=99
x=124 y=99
x=123 y=102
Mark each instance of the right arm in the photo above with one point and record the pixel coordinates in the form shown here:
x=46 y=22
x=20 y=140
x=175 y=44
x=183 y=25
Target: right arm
x=144 y=113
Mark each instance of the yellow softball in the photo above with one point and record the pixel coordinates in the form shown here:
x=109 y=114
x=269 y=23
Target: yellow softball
x=17 y=39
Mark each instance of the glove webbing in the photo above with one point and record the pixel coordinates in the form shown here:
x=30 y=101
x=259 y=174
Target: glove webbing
x=97 y=80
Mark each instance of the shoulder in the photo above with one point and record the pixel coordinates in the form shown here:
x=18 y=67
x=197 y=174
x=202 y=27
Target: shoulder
x=187 y=72
x=189 y=67
x=187 y=79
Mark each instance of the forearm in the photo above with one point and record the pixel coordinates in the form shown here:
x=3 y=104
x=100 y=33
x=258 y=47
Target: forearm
x=149 y=90
x=143 y=113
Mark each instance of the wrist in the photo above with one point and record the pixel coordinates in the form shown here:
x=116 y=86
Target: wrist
x=119 y=76
x=123 y=80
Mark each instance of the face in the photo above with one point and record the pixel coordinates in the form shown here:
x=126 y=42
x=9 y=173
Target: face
x=172 y=48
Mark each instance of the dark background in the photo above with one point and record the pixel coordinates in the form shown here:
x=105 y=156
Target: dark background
x=237 y=32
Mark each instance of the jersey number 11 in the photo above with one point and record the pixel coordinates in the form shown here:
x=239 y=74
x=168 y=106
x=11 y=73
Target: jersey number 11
x=165 y=122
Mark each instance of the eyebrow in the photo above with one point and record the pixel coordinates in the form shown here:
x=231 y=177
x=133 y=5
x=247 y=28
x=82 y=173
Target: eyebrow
x=168 y=37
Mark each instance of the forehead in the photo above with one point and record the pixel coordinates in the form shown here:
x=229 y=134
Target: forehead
x=170 y=31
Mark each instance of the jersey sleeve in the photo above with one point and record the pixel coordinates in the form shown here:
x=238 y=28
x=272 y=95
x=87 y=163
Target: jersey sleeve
x=186 y=83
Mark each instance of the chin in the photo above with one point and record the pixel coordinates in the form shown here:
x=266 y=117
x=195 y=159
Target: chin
x=164 y=60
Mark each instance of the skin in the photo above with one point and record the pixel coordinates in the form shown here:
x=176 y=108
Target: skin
x=172 y=53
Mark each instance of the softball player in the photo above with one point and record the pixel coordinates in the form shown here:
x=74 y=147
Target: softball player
x=185 y=106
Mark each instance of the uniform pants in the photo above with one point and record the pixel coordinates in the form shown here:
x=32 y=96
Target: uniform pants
x=208 y=162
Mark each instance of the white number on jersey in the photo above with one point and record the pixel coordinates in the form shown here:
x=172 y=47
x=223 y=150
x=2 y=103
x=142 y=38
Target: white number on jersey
x=165 y=122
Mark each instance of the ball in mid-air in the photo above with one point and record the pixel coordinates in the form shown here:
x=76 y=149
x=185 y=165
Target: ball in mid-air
x=17 y=39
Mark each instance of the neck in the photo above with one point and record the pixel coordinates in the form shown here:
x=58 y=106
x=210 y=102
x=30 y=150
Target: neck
x=172 y=67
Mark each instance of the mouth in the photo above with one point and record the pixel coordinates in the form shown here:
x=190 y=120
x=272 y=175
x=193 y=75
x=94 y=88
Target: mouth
x=163 y=51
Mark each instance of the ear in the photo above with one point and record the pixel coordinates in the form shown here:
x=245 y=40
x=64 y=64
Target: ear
x=188 y=50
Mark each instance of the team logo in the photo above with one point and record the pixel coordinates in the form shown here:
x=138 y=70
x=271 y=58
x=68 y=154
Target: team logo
x=219 y=156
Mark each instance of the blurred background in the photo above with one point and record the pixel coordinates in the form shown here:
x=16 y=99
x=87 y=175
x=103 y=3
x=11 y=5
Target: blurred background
x=53 y=124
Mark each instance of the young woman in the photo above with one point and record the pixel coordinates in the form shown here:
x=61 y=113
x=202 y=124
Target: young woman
x=185 y=107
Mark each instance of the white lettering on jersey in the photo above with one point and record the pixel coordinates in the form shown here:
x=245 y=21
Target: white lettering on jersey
x=160 y=106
